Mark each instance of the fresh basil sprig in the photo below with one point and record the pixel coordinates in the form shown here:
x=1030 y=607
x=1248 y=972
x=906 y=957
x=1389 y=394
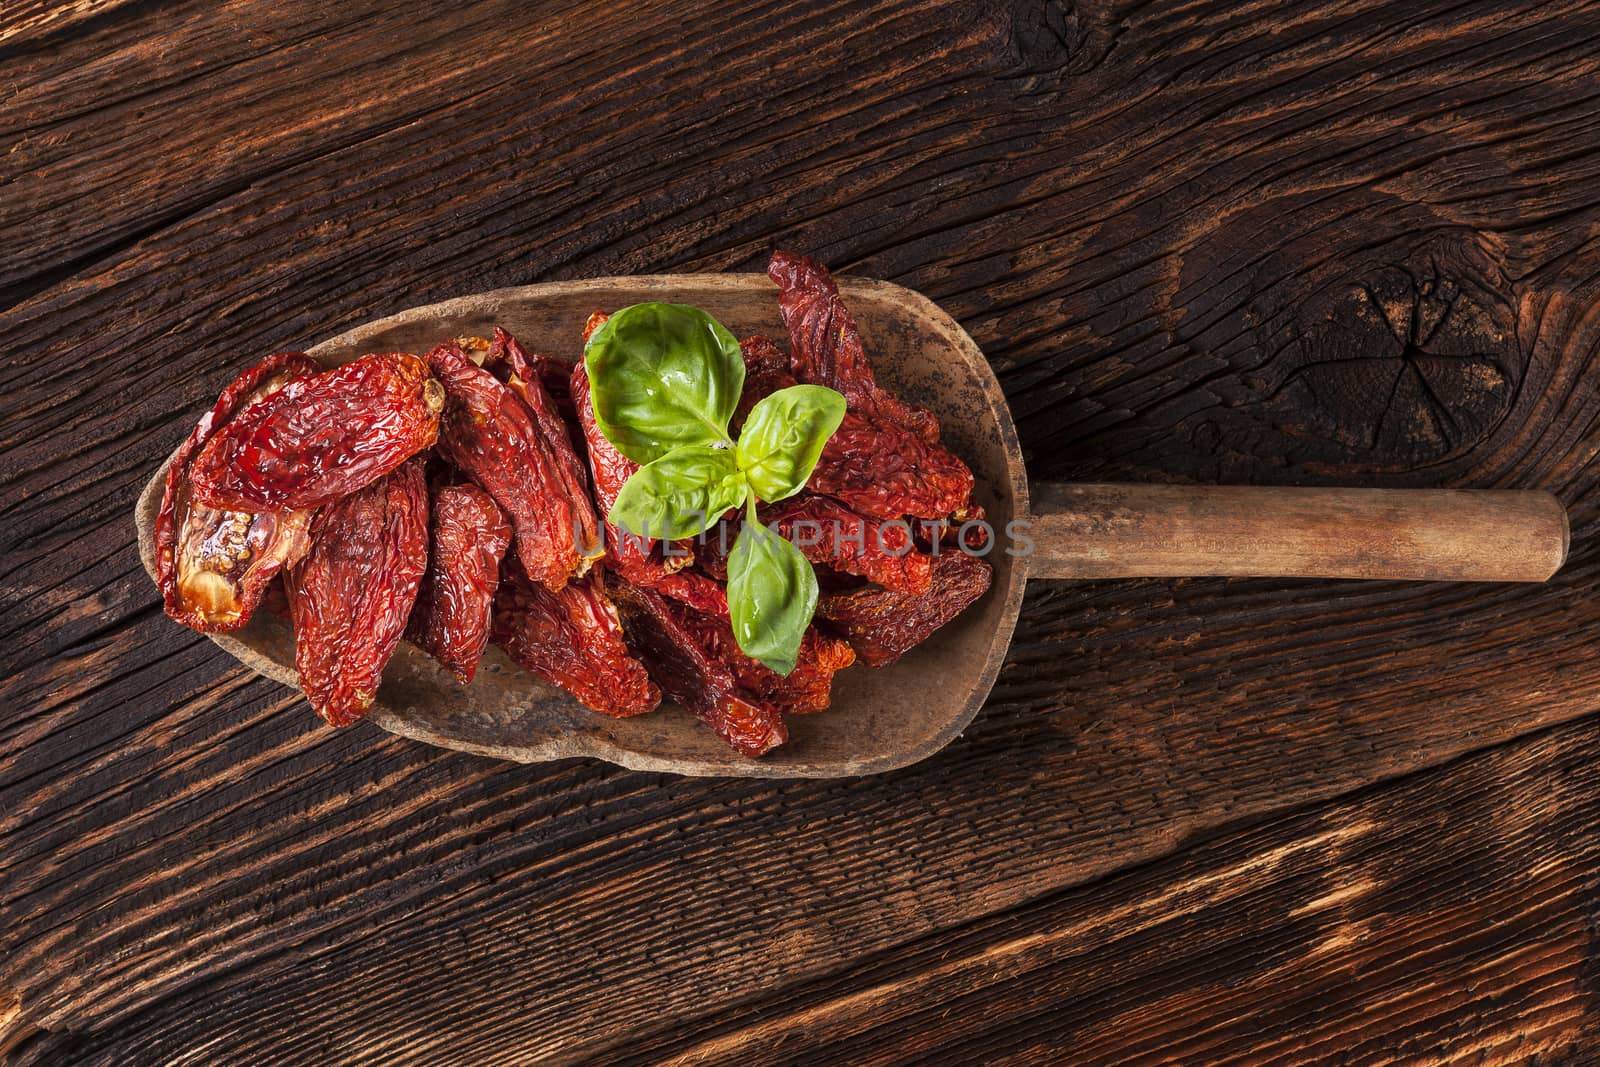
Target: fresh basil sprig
x=665 y=380
x=681 y=493
x=663 y=376
x=783 y=437
x=772 y=592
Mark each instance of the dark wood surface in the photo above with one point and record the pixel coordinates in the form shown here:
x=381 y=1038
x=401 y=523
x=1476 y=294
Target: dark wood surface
x=1204 y=820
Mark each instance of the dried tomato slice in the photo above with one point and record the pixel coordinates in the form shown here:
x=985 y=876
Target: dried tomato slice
x=825 y=347
x=806 y=689
x=528 y=466
x=318 y=439
x=694 y=678
x=352 y=594
x=827 y=532
x=882 y=625
x=884 y=471
x=695 y=590
x=468 y=536
x=214 y=565
x=506 y=359
x=881 y=470
x=572 y=638
x=538 y=381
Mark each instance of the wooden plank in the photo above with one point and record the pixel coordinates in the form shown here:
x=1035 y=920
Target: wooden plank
x=1442 y=918
x=1448 y=918
x=1329 y=245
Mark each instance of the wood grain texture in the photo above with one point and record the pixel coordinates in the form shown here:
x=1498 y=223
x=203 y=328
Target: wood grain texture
x=1462 y=940
x=1096 y=530
x=1281 y=244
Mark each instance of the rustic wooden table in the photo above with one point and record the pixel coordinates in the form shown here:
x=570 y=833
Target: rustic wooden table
x=1199 y=821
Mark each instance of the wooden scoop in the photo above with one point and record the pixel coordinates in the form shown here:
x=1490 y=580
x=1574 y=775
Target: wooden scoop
x=887 y=718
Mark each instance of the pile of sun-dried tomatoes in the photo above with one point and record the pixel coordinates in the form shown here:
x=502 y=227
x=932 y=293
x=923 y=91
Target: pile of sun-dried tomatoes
x=458 y=500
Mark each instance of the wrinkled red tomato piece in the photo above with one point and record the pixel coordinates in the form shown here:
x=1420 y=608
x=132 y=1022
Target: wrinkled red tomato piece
x=537 y=381
x=694 y=678
x=825 y=347
x=214 y=565
x=507 y=360
x=696 y=590
x=885 y=471
x=318 y=439
x=352 y=594
x=526 y=463
x=572 y=639
x=882 y=625
x=807 y=688
x=827 y=532
x=468 y=536
x=881 y=470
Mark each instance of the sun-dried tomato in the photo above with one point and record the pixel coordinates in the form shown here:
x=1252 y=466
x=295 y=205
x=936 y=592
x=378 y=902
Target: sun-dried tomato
x=539 y=381
x=505 y=358
x=805 y=689
x=882 y=625
x=468 y=536
x=825 y=347
x=572 y=638
x=694 y=678
x=696 y=590
x=884 y=471
x=809 y=687
x=492 y=436
x=639 y=559
x=214 y=565
x=320 y=438
x=352 y=594
x=827 y=532
x=879 y=469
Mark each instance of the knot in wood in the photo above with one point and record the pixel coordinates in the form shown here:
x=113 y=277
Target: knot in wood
x=1059 y=37
x=1355 y=355
x=1403 y=367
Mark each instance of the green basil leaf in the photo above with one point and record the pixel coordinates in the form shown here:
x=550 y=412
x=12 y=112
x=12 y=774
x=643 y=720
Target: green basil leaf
x=784 y=435
x=680 y=494
x=663 y=376
x=772 y=593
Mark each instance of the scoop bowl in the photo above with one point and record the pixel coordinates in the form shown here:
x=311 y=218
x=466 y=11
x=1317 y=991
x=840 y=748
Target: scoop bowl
x=880 y=719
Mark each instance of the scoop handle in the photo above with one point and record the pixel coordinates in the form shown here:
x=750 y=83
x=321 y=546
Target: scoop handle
x=1172 y=531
